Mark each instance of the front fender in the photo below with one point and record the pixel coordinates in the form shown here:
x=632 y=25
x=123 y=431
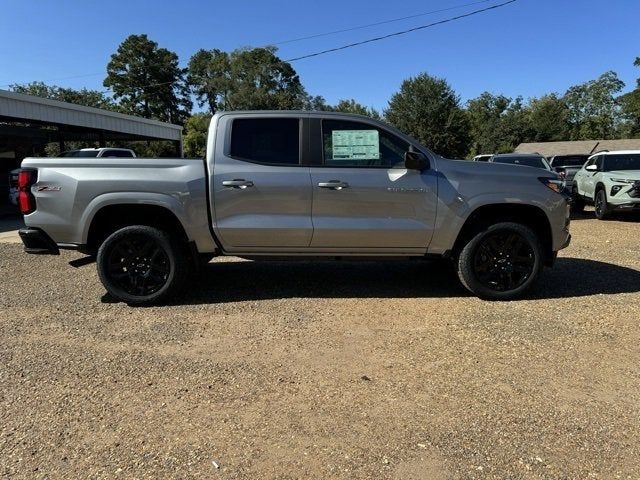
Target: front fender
x=454 y=210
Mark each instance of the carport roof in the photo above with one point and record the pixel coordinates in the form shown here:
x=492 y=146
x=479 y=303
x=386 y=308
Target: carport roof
x=26 y=108
x=548 y=149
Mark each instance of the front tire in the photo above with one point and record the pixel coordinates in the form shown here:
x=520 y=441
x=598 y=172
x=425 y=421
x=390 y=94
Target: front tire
x=577 y=202
x=501 y=262
x=601 y=205
x=142 y=265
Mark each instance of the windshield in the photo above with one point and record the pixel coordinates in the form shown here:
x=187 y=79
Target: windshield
x=536 y=162
x=621 y=162
x=569 y=161
x=80 y=153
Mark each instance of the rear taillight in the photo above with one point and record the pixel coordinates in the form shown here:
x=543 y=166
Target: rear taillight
x=26 y=200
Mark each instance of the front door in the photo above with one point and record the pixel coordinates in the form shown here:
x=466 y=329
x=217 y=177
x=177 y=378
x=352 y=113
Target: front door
x=588 y=179
x=363 y=197
x=261 y=192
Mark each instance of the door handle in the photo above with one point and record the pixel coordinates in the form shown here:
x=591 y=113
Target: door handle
x=237 y=183
x=334 y=185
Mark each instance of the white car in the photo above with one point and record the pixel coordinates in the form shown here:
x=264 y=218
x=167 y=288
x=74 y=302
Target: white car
x=99 y=153
x=610 y=181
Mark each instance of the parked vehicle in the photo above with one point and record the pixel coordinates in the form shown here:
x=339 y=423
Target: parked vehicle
x=482 y=158
x=567 y=166
x=295 y=184
x=13 y=186
x=525 y=159
x=99 y=153
x=610 y=181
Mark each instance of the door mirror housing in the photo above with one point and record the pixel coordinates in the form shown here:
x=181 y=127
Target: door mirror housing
x=591 y=168
x=415 y=161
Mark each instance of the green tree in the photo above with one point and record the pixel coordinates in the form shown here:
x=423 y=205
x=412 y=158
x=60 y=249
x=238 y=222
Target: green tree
x=594 y=112
x=195 y=136
x=428 y=108
x=88 y=98
x=485 y=116
x=549 y=116
x=315 y=103
x=630 y=104
x=246 y=79
x=515 y=126
x=351 y=106
x=209 y=73
x=148 y=81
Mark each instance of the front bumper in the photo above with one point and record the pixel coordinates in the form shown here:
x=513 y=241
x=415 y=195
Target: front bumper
x=38 y=242
x=620 y=207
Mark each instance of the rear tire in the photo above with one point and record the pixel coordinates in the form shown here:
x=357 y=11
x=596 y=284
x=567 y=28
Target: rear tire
x=142 y=265
x=577 y=202
x=501 y=262
x=601 y=206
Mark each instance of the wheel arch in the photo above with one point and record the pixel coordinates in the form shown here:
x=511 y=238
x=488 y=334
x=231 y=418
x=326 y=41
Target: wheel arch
x=529 y=215
x=110 y=218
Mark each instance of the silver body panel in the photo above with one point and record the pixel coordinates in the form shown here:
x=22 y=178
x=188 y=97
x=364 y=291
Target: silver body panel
x=70 y=191
x=284 y=211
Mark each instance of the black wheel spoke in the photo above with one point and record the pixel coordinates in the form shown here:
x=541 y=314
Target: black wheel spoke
x=139 y=265
x=504 y=260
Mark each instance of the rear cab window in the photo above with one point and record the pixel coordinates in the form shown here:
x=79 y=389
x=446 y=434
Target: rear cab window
x=268 y=141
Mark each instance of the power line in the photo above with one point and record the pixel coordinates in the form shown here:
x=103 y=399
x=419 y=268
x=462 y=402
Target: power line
x=383 y=22
x=58 y=79
x=344 y=47
x=403 y=32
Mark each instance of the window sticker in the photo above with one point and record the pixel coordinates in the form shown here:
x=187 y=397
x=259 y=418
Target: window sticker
x=355 y=144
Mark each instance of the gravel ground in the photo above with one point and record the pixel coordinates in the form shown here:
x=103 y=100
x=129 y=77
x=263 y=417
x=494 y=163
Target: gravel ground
x=326 y=370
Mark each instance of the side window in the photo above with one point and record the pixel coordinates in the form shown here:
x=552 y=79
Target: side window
x=354 y=144
x=599 y=162
x=117 y=154
x=273 y=141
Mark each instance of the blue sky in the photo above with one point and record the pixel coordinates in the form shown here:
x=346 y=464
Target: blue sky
x=527 y=48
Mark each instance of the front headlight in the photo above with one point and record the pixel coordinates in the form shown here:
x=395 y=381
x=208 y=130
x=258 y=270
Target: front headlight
x=554 y=184
x=623 y=180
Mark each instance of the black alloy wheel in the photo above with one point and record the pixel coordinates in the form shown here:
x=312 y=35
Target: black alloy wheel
x=504 y=260
x=138 y=265
x=142 y=265
x=501 y=261
x=601 y=207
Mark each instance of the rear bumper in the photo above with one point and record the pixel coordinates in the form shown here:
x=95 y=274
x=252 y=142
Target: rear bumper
x=38 y=242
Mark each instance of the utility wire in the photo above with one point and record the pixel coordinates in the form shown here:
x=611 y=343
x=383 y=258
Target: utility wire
x=403 y=32
x=344 y=47
x=383 y=22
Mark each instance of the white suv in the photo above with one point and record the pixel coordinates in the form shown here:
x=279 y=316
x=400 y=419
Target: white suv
x=609 y=180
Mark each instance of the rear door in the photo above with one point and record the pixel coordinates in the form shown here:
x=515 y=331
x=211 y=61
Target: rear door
x=261 y=190
x=363 y=197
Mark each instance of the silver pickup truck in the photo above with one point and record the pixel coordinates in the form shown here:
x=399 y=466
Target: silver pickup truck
x=294 y=184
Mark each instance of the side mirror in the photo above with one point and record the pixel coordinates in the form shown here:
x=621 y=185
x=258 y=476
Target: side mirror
x=415 y=161
x=591 y=168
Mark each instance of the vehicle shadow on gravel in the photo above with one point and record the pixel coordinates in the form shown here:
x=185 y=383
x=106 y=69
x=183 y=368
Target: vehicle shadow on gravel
x=579 y=277
x=632 y=217
x=233 y=281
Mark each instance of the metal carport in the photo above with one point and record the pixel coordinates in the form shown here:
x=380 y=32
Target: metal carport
x=28 y=124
